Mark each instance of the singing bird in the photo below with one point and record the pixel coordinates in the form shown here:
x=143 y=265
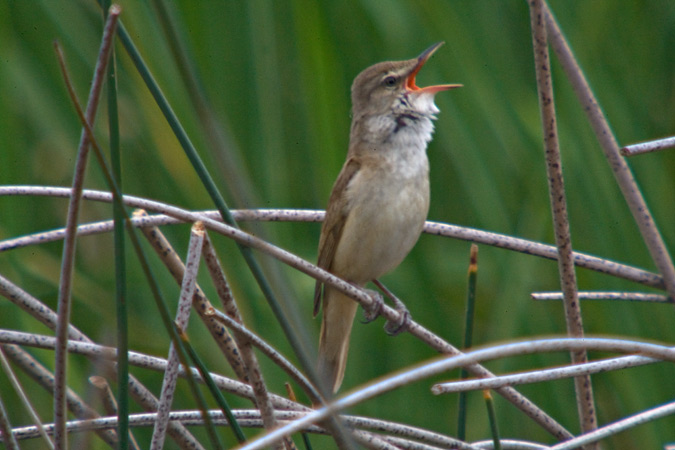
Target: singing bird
x=380 y=199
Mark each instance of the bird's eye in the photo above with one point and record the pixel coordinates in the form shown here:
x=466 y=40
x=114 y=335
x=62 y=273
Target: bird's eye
x=390 y=81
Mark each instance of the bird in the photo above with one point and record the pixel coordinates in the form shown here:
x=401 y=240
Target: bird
x=380 y=199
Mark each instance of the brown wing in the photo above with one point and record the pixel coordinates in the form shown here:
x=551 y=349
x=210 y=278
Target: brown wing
x=331 y=230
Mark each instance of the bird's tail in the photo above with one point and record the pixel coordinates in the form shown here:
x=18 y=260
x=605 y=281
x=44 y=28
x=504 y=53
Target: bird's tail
x=336 y=327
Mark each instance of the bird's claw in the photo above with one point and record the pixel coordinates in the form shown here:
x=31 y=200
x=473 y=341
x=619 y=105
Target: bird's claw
x=394 y=328
x=373 y=311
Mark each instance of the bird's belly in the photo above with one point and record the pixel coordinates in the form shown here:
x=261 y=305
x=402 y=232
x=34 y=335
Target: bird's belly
x=382 y=226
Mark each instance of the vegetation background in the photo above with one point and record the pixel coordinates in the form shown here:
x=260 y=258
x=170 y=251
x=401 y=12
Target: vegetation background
x=276 y=76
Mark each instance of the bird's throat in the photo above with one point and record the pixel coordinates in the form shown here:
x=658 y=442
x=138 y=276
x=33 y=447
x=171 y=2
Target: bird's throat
x=405 y=120
x=402 y=129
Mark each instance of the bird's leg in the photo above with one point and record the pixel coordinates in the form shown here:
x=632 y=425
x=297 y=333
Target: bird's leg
x=392 y=328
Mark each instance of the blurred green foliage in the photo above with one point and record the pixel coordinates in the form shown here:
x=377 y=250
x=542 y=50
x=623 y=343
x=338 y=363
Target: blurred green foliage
x=275 y=77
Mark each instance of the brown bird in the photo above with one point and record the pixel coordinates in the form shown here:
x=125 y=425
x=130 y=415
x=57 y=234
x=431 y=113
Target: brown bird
x=380 y=200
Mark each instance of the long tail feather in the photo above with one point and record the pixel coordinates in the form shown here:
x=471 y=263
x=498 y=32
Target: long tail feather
x=336 y=327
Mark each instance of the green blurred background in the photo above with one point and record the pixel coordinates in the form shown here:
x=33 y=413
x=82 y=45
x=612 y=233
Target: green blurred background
x=275 y=77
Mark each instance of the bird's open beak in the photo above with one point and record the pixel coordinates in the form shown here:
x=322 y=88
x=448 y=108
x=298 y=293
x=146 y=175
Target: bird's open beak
x=410 y=81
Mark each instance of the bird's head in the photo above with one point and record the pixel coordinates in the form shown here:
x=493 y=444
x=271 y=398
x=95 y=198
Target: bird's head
x=389 y=87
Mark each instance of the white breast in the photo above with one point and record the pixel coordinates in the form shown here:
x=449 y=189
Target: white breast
x=388 y=203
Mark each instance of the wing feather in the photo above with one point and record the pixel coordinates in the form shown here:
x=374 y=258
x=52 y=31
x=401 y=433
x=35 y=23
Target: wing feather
x=333 y=224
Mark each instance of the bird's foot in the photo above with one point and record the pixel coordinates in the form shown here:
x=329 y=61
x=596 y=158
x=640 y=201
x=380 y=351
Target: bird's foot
x=373 y=311
x=393 y=328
